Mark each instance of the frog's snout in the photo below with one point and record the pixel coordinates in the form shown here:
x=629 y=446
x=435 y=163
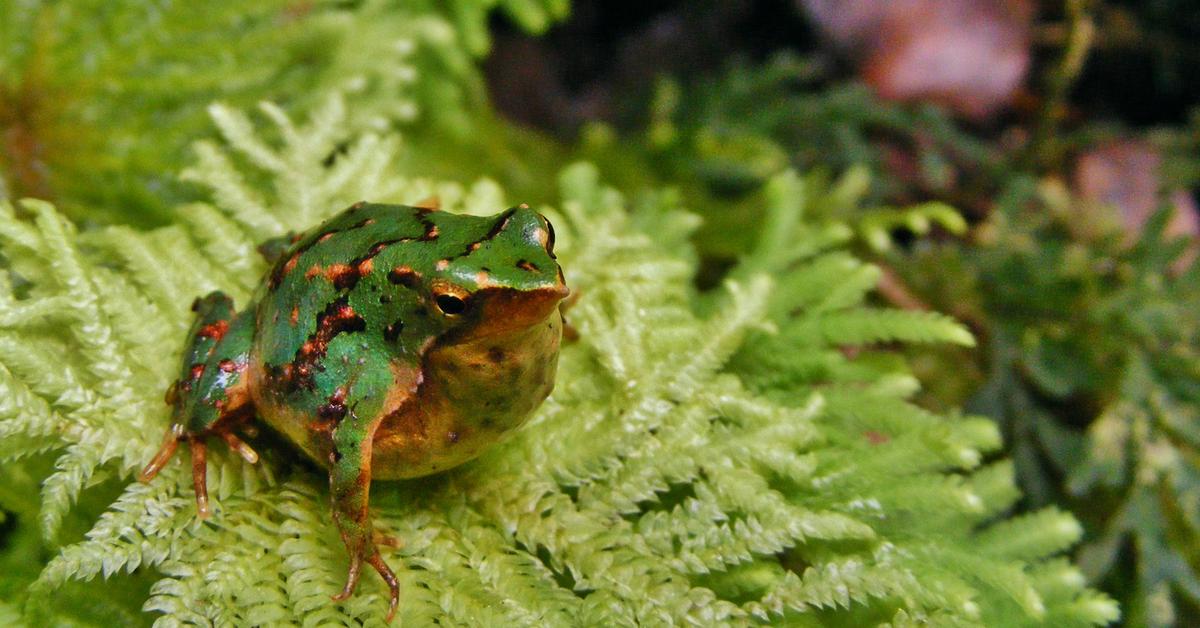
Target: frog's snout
x=536 y=305
x=560 y=287
x=502 y=310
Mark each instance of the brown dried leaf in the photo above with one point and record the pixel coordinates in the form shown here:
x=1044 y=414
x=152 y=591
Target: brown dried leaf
x=1125 y=175
x=970 y=55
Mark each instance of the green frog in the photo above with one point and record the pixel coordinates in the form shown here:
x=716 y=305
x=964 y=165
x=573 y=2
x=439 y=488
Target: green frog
x=389 y=342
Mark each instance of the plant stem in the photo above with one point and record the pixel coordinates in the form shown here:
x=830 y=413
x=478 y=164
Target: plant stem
x=1044 y=148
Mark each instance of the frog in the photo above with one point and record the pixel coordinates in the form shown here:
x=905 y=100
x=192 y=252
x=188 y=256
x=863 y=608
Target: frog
x=389 y=342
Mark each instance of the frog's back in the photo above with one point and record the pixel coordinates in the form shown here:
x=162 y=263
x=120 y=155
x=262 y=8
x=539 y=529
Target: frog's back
x=358 y=294
x=370 y=269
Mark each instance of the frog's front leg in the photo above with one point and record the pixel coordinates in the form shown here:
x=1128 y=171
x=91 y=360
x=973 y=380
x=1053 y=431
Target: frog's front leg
x=350 y=484
x=211 y=396
x=357 y=407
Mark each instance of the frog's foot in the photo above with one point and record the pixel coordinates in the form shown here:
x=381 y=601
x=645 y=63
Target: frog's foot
x=199 y=450
x=433 y=202
x=274 y=249
x=570 y=301
x=375 y=559
x=388 y=540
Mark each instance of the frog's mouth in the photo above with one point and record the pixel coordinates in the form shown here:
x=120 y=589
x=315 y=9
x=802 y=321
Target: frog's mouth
x=497 y=311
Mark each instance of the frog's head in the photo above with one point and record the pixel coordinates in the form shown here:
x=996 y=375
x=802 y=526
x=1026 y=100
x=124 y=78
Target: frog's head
x=506 y=278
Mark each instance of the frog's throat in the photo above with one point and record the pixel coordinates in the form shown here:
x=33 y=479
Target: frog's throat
x=472 y=394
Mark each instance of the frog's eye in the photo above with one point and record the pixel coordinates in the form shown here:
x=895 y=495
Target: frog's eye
x=450 y=305
x=449 y=299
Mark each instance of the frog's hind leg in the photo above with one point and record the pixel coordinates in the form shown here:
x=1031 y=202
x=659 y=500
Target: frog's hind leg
x=211 y=396
x=274 y=249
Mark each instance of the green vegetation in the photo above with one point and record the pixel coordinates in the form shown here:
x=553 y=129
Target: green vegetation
x=760 y=420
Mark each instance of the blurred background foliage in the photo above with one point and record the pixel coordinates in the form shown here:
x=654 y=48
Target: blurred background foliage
x=1047 y=155
x=83 y=83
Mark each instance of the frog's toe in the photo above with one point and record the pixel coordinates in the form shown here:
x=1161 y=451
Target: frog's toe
x=200 y=476
x=239 y=446
x=433 y=202
x=385 y=572
x=388 y=540
x=170 y=443
x=351 y=579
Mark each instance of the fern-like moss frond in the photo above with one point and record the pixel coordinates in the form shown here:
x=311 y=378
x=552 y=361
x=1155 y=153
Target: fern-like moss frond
x=668 y=479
